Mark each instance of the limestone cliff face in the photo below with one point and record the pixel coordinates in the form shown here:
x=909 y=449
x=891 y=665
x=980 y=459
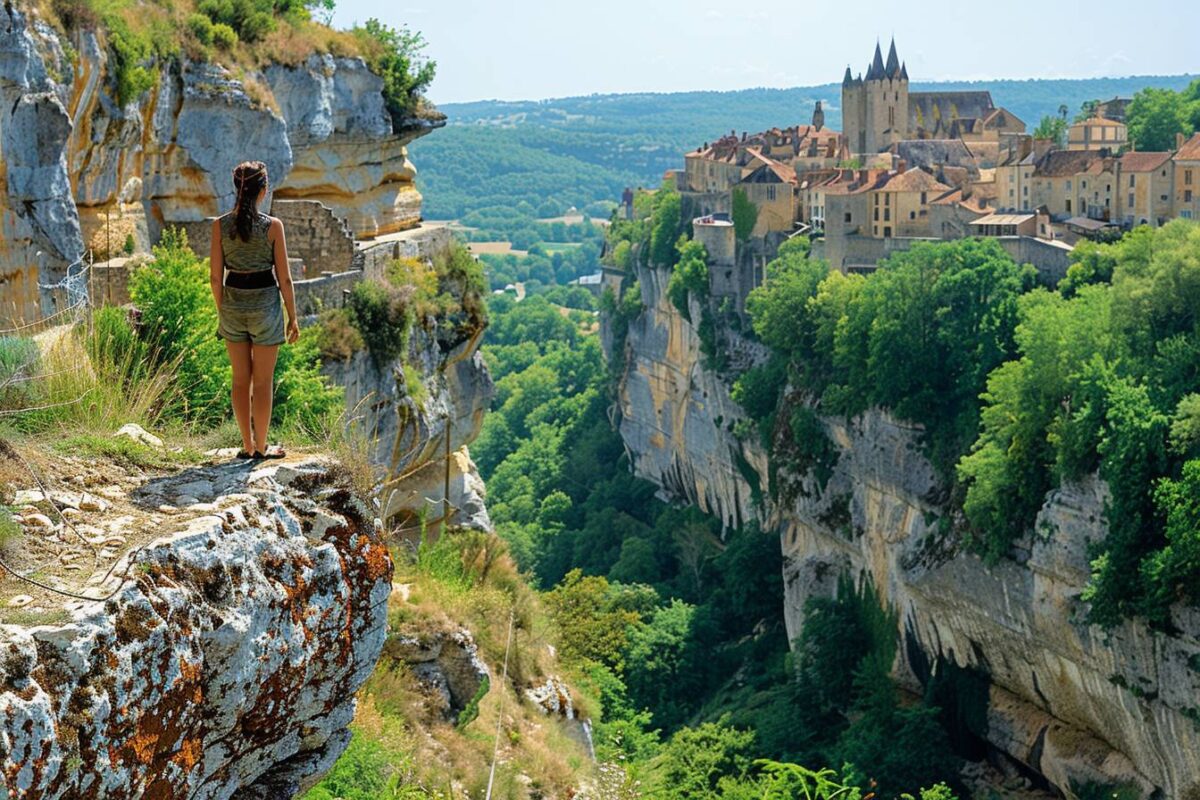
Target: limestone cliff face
x=80 y=171
x=226 y=666
x=677 y=417
x=1071 y=702
x=406 y=426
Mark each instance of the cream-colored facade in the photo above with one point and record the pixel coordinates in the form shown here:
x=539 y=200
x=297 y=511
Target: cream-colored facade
x=1187 y=178
x=899 y=206
x=1097 y=133
x=1145 y=187
x=772 y=190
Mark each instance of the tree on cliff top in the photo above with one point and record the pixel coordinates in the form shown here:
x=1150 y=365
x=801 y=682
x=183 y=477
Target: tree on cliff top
x=396 y=55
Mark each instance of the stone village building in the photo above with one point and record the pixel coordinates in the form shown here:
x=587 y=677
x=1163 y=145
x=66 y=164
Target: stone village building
x=914 y=166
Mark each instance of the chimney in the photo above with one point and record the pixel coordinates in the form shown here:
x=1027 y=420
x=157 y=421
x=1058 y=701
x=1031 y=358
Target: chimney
x=743 y=136
x=1024 y=146
x=1179 y=140
x=901 y=166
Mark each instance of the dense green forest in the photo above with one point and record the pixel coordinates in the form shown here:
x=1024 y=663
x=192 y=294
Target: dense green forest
x=675 y=626
x=579 y=150
x=1019 y=388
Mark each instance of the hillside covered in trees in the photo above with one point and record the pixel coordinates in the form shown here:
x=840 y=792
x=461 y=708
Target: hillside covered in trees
x=579 y=150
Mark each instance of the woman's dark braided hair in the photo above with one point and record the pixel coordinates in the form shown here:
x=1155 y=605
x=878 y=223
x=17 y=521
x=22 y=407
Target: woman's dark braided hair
x=249 y=178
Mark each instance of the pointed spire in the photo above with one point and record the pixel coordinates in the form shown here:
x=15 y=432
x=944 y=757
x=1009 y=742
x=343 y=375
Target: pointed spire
x=875 y=72
x=893 y=63
x=903 y=72
x=849 y=79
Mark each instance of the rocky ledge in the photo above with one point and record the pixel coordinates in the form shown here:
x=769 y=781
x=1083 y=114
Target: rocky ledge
x=226 y=663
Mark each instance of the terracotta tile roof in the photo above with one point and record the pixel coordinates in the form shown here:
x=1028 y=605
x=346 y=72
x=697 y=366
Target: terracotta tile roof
x=784 y=173
x=913 y=180
x=1190 y=150
x=1100 y=122
x=1147 y=161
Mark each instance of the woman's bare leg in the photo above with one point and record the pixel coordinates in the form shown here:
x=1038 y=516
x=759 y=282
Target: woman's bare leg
x=263 y=375
x=239 y=359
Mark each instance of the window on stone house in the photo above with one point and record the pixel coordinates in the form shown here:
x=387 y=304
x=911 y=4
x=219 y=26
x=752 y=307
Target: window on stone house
x=1068 y=184
x=1068 y=206
x=1187 y=176
x=1131 y=200
x=1131 y=181
x=770 y=193
x=923 y=196
x=1187 y=196
x=912 y=215
x=877 y=215
x=887 y=215
x=1083 y=184
x=887 y=232
x=847 y=215
x=887 y=199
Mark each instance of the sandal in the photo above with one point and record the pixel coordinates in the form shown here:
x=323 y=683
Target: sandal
x=243 y=454
x=274 y=451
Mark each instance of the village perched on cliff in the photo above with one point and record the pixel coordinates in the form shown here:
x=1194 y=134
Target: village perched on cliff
x=914 y=166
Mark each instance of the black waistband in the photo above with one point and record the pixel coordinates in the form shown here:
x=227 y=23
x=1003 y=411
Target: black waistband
x=256 y=279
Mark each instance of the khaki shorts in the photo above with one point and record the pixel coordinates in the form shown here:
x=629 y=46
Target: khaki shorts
x=251 y=315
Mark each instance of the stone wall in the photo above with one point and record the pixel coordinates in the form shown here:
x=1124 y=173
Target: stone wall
x=315 y=235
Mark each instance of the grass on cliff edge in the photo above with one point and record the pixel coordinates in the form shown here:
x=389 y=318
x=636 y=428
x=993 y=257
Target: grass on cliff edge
x=243 y=35
x=402 y=747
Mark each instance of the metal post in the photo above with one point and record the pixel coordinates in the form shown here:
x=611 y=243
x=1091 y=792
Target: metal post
x=446 y=485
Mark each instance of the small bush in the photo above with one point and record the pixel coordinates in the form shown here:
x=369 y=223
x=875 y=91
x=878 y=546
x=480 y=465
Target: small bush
x=305 y=400
x=337 y=338
x=224 y=36
x=383 y=315
x=130 y=244
x=201 y=26
x=395 y=54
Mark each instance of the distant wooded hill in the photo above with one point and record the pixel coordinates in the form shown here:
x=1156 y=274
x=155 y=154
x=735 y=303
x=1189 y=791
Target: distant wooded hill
x=577 y=150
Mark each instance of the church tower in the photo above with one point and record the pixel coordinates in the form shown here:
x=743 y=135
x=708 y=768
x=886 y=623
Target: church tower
x=875 y=110
x=818 y=117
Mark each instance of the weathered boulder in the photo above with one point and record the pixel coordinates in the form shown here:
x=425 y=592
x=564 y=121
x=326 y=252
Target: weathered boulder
x=225 y=666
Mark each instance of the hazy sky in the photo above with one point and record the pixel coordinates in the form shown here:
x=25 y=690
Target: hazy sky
x=533 y=49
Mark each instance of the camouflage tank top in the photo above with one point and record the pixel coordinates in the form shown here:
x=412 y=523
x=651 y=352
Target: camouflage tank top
x=256 y=254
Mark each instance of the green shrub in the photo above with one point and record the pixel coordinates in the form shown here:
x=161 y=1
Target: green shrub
x=305 y=400
x=396 y=55
x=179 y=321
x=223 y=36
x=382 y=313
x=130 y=245
x=690 y=275
x=201 y=27
x=337 y=338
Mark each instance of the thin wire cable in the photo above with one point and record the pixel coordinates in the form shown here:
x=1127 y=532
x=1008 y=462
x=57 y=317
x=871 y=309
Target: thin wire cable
x=500 y=710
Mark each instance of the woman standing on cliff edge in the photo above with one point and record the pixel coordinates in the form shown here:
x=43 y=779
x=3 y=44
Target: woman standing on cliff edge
x=248 y=270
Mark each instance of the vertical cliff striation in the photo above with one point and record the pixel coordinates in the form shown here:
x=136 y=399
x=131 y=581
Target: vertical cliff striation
x=80 y=171
x=1071 y=702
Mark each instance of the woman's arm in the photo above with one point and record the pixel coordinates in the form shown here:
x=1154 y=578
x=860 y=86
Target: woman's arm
x=284 y=276
x=216 y=263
